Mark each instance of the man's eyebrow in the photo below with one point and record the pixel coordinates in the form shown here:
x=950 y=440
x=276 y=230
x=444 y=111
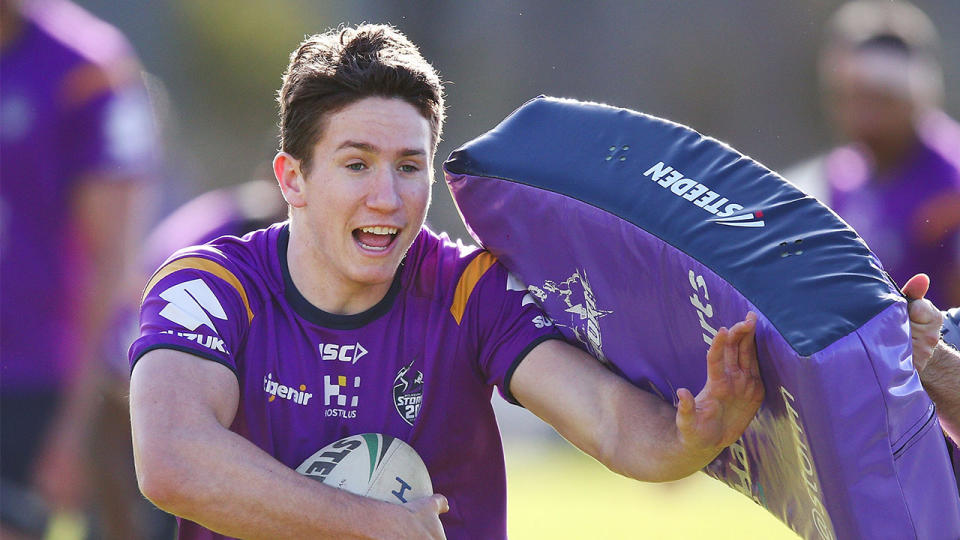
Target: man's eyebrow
x=367 y=147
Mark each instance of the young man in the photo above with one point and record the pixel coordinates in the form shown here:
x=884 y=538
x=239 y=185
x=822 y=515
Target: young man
x=78 y=154
x=352 y=317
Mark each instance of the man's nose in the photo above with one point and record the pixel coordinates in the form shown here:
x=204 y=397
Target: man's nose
x=383 y=194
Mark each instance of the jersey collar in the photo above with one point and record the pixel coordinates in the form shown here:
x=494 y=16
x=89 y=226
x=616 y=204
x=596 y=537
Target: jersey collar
x=320 y=317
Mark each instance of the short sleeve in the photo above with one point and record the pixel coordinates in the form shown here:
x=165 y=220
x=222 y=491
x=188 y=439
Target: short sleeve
x=507 y=324
x=196 y=305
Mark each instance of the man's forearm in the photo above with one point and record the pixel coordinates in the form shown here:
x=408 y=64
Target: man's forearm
x=941 y=379
x=220 y=480
x=650 y=447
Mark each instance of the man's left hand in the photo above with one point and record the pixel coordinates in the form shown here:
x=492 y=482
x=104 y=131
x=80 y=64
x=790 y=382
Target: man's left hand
x=732 y=394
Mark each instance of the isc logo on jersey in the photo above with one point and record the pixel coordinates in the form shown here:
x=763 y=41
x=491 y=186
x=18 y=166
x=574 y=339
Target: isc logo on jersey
x=343 y=353
x=190 y=304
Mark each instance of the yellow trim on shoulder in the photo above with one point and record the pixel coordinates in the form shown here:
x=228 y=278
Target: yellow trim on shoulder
x=206 y=265
x=468 y=280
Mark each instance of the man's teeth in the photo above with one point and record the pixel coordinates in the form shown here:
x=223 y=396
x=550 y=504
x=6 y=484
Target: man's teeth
x=380 y=230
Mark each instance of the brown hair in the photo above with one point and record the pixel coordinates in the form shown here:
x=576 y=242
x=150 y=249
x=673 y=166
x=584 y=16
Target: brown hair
x=329 y=71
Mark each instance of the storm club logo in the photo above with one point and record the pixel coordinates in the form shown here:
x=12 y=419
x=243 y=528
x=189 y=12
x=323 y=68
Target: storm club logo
x=408 y=392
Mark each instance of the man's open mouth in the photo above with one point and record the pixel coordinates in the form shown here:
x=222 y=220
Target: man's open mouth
x=376 y=238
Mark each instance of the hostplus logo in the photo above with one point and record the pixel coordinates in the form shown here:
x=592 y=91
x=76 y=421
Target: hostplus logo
x=727 y=212
x=298 y=395
x=341 y=392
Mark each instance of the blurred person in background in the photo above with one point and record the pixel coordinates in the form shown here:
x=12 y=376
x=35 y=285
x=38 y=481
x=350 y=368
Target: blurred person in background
x=896 y=180
x=234 y=210
x=78 y=150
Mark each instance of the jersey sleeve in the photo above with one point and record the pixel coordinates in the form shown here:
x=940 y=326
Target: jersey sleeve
x=195 y=303
x=504 y=321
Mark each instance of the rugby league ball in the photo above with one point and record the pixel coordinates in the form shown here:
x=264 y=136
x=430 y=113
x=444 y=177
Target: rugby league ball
x=373 y=465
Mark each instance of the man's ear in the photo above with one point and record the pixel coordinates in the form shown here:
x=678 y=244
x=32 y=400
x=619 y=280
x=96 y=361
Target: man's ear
x=287 y=170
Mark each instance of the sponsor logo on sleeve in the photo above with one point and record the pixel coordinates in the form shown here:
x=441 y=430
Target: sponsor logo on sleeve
x=340 y=397
x=211 y=342
x=542 y=321
x=408 y=392
x=190 y=305
x=514 y=284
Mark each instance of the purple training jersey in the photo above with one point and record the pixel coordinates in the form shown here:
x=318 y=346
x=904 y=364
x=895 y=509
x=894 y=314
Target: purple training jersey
x=910 y=216
x=420 y=365
x=71 y=109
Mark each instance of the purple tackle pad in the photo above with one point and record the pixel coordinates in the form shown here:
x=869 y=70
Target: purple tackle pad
x=640 y=238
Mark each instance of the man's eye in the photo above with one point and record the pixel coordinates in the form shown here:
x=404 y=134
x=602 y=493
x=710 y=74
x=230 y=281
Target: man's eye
x=409 y=169
x=356 y=166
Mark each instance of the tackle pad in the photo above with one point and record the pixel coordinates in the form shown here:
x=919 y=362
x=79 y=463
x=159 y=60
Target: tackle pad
x=641 y=237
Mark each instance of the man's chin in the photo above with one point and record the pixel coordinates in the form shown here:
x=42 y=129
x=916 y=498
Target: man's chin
x=374 y=275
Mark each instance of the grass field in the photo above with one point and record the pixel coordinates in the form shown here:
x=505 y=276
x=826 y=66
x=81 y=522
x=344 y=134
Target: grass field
x=556 y=492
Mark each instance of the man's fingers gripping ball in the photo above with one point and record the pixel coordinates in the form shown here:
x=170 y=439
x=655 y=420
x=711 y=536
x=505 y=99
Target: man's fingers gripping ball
x=442 y=505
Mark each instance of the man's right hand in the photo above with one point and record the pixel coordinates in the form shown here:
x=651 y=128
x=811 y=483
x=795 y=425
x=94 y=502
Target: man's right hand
x=427 y=512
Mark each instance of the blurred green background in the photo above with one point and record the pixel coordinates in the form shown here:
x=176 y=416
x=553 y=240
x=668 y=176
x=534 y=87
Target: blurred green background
x=558 y=492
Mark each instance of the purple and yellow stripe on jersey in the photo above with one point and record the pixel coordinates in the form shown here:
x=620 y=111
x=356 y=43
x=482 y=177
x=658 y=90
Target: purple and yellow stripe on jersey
x=204 y=265
x=468 y=280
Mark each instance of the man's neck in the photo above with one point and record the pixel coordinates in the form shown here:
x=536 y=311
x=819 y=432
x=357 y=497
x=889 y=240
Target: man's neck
x=326 y=289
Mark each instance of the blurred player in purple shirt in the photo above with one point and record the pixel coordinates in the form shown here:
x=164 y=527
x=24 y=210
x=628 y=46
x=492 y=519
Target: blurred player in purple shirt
x=353 y=317
x=77 y=141
x=897 y=182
